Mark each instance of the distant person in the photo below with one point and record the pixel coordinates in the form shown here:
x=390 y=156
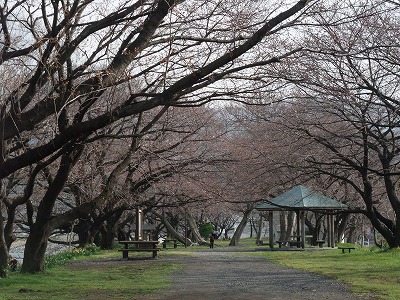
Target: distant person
x=13 y=264
x=212 y=238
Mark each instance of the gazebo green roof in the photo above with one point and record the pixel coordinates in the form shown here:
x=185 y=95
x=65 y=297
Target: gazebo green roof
x=302 y=198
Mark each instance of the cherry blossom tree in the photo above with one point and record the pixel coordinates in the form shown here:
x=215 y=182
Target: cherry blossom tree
x=74 y=59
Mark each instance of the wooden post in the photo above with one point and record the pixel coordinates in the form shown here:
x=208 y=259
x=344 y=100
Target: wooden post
x=139 y=224
x=328 y=228
x=186 y=230
x=333 y=231
x=298 y=225
x=303 y=228
x=271 y=229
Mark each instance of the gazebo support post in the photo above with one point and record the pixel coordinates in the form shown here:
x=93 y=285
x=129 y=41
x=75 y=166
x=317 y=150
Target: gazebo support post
x=333 y=231
x=260 y=223
x=328 y=228
x=303 y=228
x=271 y=228
x=298 y=225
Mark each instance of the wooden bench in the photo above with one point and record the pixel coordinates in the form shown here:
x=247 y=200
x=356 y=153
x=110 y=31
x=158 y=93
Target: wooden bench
x=280 y=243
x=295 y=243
x=164 y=245
x=346 y=248
x=290 y=242
x=139 y=246
x=125 y=251
x=320 y=243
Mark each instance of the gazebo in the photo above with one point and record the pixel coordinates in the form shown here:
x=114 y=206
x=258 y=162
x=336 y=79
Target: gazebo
x=301 y=199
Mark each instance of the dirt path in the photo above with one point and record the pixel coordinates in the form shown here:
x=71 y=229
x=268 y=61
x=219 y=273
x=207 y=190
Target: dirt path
x=235 y=275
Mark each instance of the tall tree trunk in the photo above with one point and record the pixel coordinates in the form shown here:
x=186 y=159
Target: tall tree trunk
x=311 y=226
x=3 y=249
x=40 y=231
x=23 y=199
x=101 y=235
x=172 y=232
x=341 y=227
x=35 y=248
x=290 y=225
x=111 y=230
x=258 y=238
x=9 y=237
x=351 y=237
x=283 y=219
x=251 y=221
x=239 y=230
x=83 y=230
x=194 y=229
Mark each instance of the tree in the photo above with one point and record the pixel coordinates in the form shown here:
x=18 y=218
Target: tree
x=348 y=108
x=71 y=60
x=3 y=252
x=75 y=93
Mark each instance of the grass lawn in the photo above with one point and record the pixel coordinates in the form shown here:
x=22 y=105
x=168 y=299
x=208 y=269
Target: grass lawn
x=104 y=276
x=365 y=270
x=103 y=280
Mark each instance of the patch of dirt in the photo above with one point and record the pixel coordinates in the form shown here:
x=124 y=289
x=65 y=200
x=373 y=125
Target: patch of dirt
x=105 y=263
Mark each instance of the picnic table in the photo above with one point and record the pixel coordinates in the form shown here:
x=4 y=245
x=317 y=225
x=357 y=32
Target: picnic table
x=293 y=241
x=169 y=240
x=290 y=242
x=139 y=246
x=346 y=248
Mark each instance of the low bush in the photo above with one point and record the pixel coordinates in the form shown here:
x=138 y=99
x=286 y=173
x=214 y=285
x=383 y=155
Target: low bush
x=61 y=258
x=206 y=230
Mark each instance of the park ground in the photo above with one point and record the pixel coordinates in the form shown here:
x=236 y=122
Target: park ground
x=244 y=272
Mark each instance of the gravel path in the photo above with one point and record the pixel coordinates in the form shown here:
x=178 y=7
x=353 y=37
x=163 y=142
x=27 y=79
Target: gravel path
x=235 y=275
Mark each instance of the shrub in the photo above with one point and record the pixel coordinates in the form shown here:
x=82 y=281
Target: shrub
x=61 y=258
x=205 y=230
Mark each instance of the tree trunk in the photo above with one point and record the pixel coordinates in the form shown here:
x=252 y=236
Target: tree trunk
x=83 y=231
x=351 y=238
x=290 y=224
x=9 y=237
x=111 y=230
x=239 y=230
x=283 y=225
x=94 y=231
x=258 y=238
x=194 y=229
x=101 y=236
x=386 y=227
x=341 y=227
x=171 y=230
x=251 y=221
x=35 y=248
x=109 y=236
x=311 y=227
x=3 y=250
x=40 y=231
